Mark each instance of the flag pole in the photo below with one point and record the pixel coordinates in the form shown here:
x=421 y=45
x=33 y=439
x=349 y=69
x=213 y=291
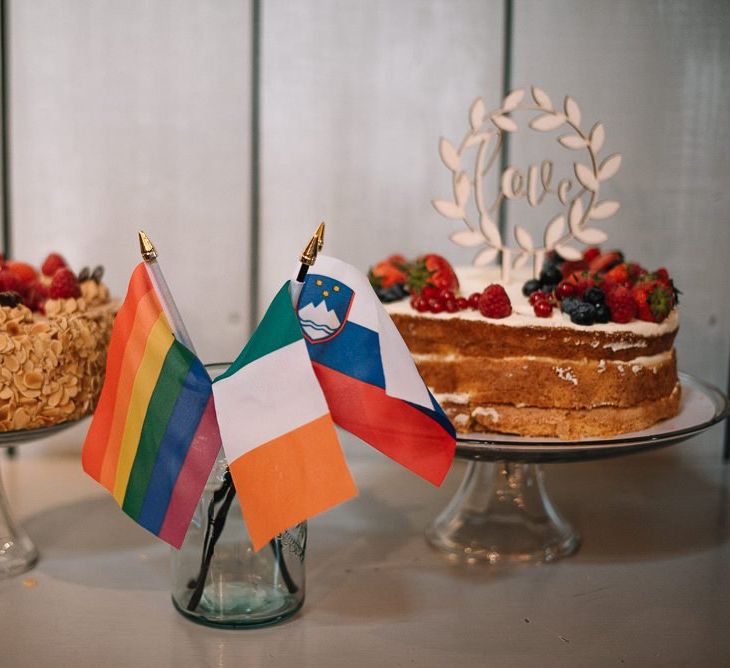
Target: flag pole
x=150 y=255
x=225 y=494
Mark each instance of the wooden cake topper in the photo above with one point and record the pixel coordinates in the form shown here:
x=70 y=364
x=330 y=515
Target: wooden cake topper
x=472 y=205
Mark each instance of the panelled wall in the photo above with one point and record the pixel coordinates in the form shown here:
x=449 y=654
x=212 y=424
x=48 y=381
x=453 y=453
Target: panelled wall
x=138 y=114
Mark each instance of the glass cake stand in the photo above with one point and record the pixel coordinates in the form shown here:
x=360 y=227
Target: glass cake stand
x=502 y=512
x=17 y=552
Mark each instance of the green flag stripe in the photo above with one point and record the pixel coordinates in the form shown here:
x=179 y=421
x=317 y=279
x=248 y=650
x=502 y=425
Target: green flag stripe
x=278 y=328
x=172 y=374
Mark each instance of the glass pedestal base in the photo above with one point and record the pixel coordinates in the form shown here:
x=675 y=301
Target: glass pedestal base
x=502 y=512
x=17 y=552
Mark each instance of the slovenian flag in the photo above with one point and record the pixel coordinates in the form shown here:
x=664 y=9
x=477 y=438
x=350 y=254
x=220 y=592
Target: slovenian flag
x=368 y=376
x=154 y=436
x=285 y=460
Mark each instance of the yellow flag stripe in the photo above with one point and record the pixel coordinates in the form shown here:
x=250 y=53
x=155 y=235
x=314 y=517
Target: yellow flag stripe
x=158 y=343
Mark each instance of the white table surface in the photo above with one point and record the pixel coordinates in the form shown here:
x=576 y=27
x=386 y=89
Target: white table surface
x=649 y=586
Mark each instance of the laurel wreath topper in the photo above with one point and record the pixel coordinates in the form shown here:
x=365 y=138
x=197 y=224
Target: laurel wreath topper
x=488 y=129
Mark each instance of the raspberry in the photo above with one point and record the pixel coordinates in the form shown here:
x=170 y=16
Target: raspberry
x=36 y=296
x=494 y=302
x=64 y=285
x=9 y=282
x=543 y=309
x=621 y=304
x=52 y=264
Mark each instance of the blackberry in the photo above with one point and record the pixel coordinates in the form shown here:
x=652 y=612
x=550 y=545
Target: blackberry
x=97 y=274
x=583 y=314
x=10 y=299
x=594 y=296
x=550 y=275
x=602 y=313
x=392 y=294
x=530 y=286
x=569 y=304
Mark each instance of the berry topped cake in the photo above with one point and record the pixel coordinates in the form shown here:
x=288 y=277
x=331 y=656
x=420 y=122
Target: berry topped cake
x=55 y=327
x=584 y=350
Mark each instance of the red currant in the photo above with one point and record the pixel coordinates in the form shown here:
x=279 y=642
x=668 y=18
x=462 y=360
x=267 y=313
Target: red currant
x=447 y=295
x=474 y=300
x=543 y=309
x=450 y=306
x=462 y=303
x=565 y=289
x=537 y=296
x=436 y=305
x=421 y=304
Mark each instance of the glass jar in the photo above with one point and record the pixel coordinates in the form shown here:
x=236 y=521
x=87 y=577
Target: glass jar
x=218 y=579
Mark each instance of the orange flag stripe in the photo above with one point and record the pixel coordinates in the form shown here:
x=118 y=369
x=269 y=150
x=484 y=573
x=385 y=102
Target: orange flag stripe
x=98 y=435
x=277 y=476
x=148 y=313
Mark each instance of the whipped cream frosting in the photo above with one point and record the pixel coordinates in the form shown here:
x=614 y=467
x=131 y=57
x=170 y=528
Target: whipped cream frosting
x=475 y=279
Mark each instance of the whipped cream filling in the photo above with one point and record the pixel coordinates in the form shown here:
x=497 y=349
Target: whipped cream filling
x=642 y=361
x=475 y=279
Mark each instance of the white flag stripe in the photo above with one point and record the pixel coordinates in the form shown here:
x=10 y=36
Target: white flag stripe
x=255 y=406
x=402 y=379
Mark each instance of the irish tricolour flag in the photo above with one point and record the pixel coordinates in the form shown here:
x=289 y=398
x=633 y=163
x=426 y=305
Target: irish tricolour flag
x=278 y=435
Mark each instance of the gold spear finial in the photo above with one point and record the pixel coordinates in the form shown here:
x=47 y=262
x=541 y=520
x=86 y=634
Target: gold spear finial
x=309 y=254
x=146 y=247
x=320 y=236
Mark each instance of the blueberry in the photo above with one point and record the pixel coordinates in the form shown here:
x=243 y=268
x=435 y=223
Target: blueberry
x=583 y=314
x=530 y=286
x=548 y=288
x=550 y=275
x=569 y=304
x=602 y=313
x=392 y=294
x=594 y=296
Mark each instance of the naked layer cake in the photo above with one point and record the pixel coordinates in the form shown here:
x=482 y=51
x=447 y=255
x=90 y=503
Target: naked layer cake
x=495 y=365
x=54 y=332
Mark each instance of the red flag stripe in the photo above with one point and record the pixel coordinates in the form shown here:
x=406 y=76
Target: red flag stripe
x=397 y=429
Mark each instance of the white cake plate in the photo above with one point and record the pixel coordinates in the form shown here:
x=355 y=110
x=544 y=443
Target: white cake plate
x=17 y=552
x=502 y=512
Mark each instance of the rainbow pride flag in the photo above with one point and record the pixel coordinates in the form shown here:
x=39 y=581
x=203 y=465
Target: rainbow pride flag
x=154 y=436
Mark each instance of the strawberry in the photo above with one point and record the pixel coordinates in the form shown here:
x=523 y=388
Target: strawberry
x=582 y=282
x=654 y=300
x=432 y=269
x=494 y=302
x=26 y=273
x=621 y=304
x=572 y=267
x=605 y=261
x=52 y=263
x=590 y=254
x=64 y=285
x=389 y=272
x=9 y=282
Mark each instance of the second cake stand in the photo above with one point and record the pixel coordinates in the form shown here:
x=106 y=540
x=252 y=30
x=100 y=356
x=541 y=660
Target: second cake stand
x=502 y=511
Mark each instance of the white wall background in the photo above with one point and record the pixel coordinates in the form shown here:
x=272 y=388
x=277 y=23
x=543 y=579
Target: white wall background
x=137 y=114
